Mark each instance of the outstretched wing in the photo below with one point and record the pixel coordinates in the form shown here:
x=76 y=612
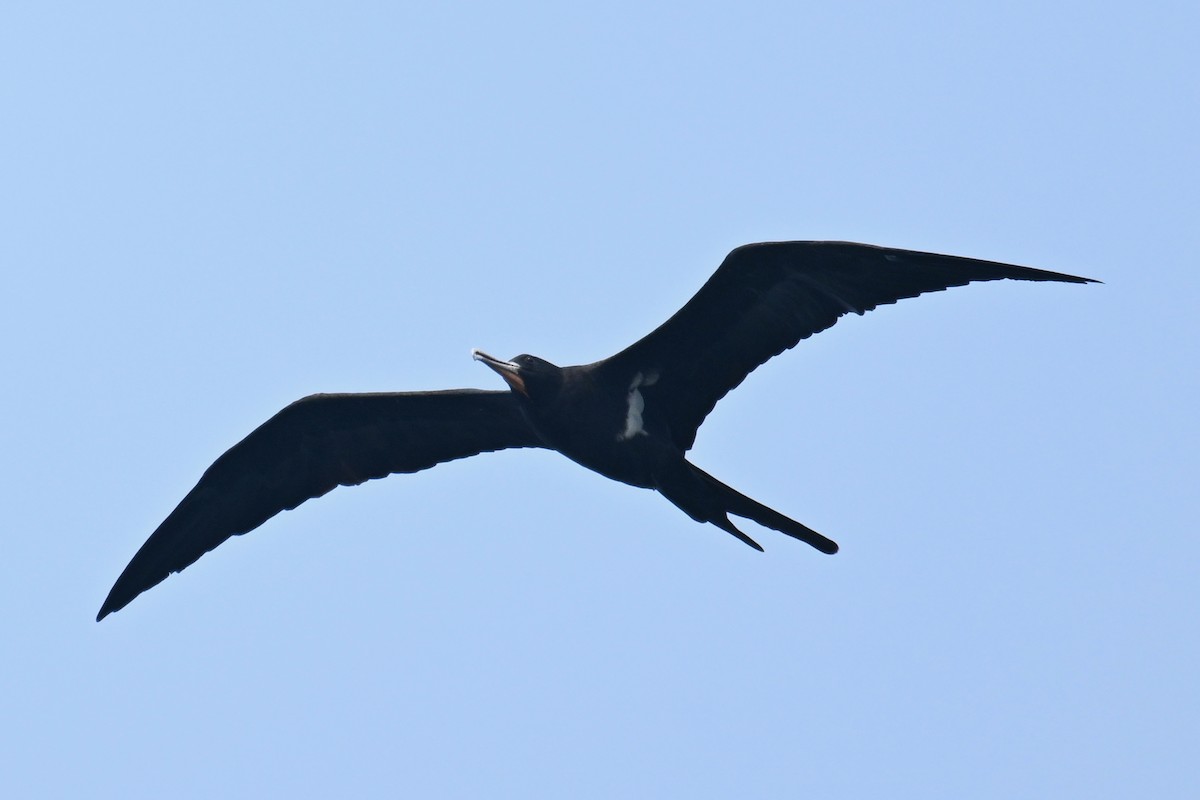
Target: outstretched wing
x=310 y=448
x=764 y=298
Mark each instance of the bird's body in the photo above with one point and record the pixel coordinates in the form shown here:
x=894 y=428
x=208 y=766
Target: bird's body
x=626 y=439
x=631 y=417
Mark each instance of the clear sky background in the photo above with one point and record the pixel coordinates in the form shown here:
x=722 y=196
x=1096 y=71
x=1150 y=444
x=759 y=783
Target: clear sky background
x=208 y=210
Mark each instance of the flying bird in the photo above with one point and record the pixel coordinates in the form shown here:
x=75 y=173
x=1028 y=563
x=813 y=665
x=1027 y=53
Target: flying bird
x=631 y=417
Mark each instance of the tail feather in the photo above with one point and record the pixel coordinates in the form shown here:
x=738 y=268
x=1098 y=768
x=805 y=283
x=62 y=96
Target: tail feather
x=724 y=524
x=705 y=499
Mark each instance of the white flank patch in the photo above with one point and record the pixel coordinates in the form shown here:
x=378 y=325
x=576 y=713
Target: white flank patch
x=633 y=416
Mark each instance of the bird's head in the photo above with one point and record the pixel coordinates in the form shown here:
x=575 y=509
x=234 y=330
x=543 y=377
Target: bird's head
x=532 y=377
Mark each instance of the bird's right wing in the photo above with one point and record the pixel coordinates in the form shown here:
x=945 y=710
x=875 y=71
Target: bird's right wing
x=311 y=447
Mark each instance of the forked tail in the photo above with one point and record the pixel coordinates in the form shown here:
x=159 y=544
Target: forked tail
x=705 y=499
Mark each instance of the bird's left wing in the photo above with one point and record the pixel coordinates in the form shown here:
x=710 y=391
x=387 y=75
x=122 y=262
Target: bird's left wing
x=311 y=447
x=764 y=298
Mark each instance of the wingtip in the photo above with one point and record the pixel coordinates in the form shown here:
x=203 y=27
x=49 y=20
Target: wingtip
x=112 y=603
x=106 y=609
x=1062 y=276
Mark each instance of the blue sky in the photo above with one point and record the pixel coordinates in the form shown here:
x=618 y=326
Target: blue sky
x=209 y=210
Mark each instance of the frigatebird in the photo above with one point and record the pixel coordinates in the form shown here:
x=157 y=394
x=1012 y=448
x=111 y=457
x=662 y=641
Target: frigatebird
x=631 y=417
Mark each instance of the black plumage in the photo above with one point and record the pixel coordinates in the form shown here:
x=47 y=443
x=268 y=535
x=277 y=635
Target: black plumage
x=630 y=417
